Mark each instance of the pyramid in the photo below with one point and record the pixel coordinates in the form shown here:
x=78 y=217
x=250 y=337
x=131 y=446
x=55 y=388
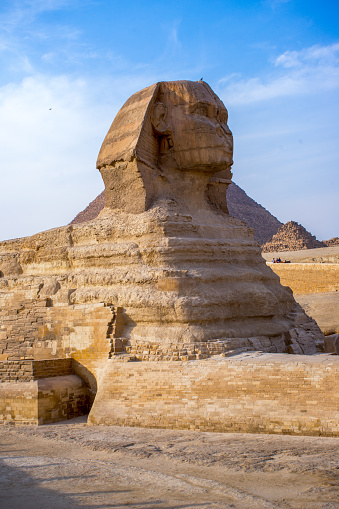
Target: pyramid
x=334 y=241
x=240 y=205
x=92 y=210
x=292 y=236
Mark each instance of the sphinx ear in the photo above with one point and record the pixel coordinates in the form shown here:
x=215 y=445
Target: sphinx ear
x=159 y=119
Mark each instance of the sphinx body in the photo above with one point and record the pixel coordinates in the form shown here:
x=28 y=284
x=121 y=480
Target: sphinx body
x=216 y=293
x=163 y=273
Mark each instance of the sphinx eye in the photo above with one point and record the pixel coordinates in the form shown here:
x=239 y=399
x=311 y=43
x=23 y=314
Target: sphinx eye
x=201 y=109
x=222 y=116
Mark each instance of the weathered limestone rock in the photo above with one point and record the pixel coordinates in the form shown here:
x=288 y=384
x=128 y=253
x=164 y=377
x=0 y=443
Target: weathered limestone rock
x=163 y=273
x=264 y=224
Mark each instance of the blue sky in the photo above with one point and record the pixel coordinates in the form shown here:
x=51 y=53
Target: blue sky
x=274 y=63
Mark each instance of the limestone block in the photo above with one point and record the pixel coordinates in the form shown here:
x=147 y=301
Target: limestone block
x=250 y=392
x=50 y=287
x=61 y=398
x=9 y=265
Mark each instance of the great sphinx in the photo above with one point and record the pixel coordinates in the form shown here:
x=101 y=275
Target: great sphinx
x=166 y=161
x=164 y=273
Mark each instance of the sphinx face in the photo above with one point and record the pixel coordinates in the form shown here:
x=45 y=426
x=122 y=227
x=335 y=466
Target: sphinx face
x=201 y=137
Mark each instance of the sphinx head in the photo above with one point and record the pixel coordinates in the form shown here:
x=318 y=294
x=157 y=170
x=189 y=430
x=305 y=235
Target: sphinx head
x=191 y=123
x=168 y=128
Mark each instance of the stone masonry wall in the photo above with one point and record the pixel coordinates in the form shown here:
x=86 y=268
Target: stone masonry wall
x=43 y=401
x=19 y=328
x=61 y=398
x=27 y=370
x=258 y=393
x=52 y=367
x=15 y=371
x=19 y=402
x=37 y=329
x=308 y=277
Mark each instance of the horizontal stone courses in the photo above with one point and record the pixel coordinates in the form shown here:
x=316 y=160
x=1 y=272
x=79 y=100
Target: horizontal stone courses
x=251 y=398
x=25 y=370
x=44 y=400
x=104 y=276
x=305 y=278
x=107 y=278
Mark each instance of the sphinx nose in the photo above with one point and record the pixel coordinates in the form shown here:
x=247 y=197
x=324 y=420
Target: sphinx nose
x=223 y=131
x=220 y=132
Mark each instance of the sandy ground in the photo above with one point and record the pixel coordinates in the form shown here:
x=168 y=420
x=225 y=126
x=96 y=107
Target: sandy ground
x=70 y=465
x=322 y=254
x=323 y=308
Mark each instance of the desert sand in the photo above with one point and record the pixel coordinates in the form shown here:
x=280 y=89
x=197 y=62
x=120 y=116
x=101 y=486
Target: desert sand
x=319 y=255
x=323 y=307
x=70 y=465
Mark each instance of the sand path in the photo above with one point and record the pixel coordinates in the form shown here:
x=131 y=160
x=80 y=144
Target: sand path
x=71 y=465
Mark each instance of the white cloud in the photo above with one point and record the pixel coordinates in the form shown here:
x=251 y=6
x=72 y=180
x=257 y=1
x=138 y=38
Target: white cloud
x=308 y=71
x=315 y=56
x=254 y=90
x=173 y=44
x=47 y=157
x=229 y=77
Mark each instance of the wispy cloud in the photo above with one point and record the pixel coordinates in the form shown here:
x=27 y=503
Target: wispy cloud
x=173 y=42
x=275 y=3
x=22 y=35
x=23 y=12
x=315 y=55
x=229 y=77
x=173 y=37
x=308 y=71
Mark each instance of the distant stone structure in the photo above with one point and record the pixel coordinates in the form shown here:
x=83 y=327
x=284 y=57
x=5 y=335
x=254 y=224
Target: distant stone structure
x=164 y=274
x=291 y=237
x=92 y=210
x=334 y=241
x=264 y=224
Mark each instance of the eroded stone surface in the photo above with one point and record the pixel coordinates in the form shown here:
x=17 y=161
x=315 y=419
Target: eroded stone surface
x=264 y=224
